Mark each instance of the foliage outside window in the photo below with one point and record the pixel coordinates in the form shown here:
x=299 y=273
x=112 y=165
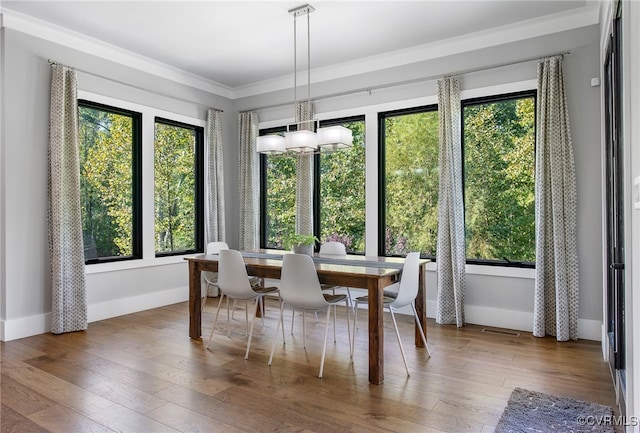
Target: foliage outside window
x=278 y=197
x=178 y=189
x=342 y=191
x=409 y=163
x=109 y=177
x=499 y=165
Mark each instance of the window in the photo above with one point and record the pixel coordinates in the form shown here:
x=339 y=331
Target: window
x=110 y=167
x=409 y=178
x=277 y=197
x=339 y=195
x=499 y=166
x=341 y=199
x=178 y=196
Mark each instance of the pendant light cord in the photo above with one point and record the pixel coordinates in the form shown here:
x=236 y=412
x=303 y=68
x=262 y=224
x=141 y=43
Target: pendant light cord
x=295 y=69
x=308 y=61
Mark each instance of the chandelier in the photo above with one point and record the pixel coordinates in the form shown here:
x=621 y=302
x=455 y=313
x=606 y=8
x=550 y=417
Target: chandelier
x=304 y=136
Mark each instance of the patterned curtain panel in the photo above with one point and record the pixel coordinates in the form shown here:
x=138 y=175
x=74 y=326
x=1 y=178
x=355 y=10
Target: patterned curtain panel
x=215 y=174
x=66 y=250
x=450 y=251
x=556 y=287
x=249 y=188
x=304 y=177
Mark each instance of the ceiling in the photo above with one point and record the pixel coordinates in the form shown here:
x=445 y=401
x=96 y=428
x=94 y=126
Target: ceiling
x=236 y=44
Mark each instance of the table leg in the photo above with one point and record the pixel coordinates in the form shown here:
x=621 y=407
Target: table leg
x=376 y=332
x=195 y=301
x=420 y=307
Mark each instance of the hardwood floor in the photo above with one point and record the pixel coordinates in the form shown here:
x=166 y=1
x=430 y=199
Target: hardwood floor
x=142 y=373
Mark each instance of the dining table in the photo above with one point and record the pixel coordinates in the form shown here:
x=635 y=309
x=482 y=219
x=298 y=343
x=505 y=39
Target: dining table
x=372 y=273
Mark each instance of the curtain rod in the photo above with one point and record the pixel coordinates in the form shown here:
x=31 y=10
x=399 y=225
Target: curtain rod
x=53 y=62
x=415 y=80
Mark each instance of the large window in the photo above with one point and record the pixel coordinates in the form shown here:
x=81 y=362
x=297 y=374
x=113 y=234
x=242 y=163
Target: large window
x=499 y=165
x=178 y=187
x=110 y=166
x=339 y=198
x=278 y=196
x=409 y=181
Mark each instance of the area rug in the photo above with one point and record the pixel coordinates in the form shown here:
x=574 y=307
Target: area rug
x=530 y=411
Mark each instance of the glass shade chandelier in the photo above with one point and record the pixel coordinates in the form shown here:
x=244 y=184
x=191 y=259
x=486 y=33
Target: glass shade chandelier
x=305 y=136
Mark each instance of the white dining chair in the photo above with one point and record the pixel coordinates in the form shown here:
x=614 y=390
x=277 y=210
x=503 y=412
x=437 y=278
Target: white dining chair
x=333 y=249
x=397 y=296
x=211 y=278
x=234 y=283
x=328 y=249
x=300 y=289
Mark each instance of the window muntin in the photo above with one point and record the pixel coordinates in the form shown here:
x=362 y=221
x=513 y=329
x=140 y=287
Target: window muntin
x=499 y=188
x=178 y=186
x=110 y=167
x=409 y=181
x=341 y=179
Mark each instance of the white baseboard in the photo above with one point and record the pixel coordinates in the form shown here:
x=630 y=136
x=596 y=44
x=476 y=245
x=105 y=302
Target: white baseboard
x=40 y=324
x=510 y=319
x=120 y=307
x=477 y=315
x=25 y=327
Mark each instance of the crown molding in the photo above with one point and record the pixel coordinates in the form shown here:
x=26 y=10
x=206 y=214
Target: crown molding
x=564 y=21
x=63 y=36
x=589 y=15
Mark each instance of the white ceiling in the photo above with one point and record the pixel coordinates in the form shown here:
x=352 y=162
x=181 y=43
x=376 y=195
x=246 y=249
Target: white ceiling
x=236 y=44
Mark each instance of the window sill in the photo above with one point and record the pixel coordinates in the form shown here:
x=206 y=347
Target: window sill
x=99 y=268
x=493 y=271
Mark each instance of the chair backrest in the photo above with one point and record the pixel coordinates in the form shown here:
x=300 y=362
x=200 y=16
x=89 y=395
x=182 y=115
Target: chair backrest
x=408 y=289
x=333 y=248
x=299 y=284
x=232 y=275
x=216 y=247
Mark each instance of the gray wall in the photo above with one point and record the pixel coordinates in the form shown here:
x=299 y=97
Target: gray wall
x=497 y=300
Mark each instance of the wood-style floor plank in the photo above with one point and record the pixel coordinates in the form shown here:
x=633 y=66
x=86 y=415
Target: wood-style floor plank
x=142 y=373
x=13 y=422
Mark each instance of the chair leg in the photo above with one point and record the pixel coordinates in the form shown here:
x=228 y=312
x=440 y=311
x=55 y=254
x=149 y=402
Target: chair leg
x=253 y=320
x=348 y=328
x=334 y=324
x=293 y=316
x=204 y=298
x=246 y=315
x=280 y=322
x=261 y=306
x=228 y=322
x=395 y=326
x=215 y=319
x=355 y=321
x=424 y=338
x=304 y=331
x=324 y=346
x=281 y=301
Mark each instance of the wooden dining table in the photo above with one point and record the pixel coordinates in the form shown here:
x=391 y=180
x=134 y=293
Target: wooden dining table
x=371 y=273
